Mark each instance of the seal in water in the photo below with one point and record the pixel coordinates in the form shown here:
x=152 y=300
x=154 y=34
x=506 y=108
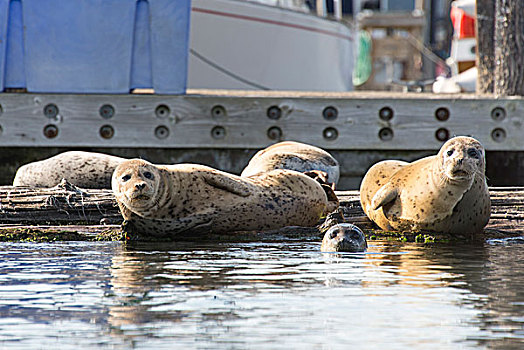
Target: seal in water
x=161 y=200
x=293 y=156
x=82 y=169
x=442 y=193
x=344 y=237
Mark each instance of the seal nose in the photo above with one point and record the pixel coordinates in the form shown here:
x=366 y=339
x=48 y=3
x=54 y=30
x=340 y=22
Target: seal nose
x=460 y=161
x=140 y=186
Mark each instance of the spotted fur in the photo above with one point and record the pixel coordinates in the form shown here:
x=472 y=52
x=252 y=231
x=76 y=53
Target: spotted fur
x=164 y=200
x=82 y=169
x=443 y=193
x=293 y=156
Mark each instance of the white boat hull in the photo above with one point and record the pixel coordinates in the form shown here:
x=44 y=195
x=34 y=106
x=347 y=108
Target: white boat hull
x=245 y=45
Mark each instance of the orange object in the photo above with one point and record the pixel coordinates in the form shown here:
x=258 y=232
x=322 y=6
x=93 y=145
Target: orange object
x=463 y=25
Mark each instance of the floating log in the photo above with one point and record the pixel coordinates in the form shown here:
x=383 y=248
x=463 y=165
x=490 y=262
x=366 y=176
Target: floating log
x=23 y=209
x=63 y=204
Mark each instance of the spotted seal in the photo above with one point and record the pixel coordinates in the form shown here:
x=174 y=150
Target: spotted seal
x=83 y=169
x=442 y=193
x=293 y=156
x=159 y=200
x=344 y=237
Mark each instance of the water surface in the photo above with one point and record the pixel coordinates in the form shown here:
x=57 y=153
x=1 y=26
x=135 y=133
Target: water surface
x=278 y=294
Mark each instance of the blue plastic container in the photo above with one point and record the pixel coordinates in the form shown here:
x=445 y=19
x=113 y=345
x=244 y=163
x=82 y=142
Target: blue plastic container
x=94 y=46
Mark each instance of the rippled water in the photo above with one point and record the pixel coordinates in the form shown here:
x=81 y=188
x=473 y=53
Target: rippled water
x=279 y=294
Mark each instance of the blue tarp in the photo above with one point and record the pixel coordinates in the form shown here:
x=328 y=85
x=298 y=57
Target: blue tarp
x=94 y=46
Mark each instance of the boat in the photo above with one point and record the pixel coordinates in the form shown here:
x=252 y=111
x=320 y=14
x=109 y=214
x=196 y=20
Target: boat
x=268 y=45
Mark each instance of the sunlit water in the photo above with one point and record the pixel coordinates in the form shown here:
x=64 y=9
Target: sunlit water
x=281 y=294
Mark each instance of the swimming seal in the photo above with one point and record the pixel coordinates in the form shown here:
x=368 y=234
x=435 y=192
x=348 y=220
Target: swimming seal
x=344 y=237
x=442 y=193
x=293 y=156
x=82 y=169
x=162 y=200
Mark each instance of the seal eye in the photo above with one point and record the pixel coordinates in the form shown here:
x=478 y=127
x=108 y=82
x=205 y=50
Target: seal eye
x=126 y=178
x=148 y=175
x=450 y=152
x=473 y=153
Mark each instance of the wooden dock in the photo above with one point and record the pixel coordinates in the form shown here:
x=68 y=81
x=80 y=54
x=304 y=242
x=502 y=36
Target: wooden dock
x=68 y=213
x=224 y=128
x=253 y=119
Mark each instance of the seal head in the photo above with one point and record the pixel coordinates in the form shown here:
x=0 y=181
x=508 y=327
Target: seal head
x=137 y=186
x=460 y=159
x=344 y=237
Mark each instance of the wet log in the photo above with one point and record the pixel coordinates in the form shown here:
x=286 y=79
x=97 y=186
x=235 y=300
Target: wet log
x=500 y=38
x=509 y=48
x=23 y=207
x=485 y=40
x=63 y=204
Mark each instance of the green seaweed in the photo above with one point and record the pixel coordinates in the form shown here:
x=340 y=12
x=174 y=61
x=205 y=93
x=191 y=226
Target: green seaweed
x=55 y=235
x=409 y=236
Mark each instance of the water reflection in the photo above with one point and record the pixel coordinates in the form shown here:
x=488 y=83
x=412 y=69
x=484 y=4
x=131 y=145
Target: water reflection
x=273 y=294
x=53 y=291
x=502 y=288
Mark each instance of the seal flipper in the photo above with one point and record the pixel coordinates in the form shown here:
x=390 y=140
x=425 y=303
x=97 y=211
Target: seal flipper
x=227 y=184
x=386 y=194
x=333 y=202
x=322 y=177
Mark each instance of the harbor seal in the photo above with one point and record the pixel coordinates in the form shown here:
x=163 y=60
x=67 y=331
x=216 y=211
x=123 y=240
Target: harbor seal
x=82 y=169
x=443 y=193
x=344 y=237
x=162 y=200
x=293 y=156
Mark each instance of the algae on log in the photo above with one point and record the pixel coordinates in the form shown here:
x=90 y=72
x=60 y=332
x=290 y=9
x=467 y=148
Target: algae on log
x=20 y=233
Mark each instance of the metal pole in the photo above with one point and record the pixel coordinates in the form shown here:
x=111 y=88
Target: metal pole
x=337 y=7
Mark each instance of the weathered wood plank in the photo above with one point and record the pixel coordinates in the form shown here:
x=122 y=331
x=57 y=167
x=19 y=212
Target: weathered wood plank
x=60 y=205
x=210 y=119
